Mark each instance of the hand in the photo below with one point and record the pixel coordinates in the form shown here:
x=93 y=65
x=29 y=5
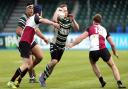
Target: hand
x=56 y=25
x=70 y=45
x=116 y=55
x=71 y=17
x=46 y=41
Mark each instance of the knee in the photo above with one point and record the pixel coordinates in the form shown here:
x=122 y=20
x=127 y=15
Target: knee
x=111 y=65
x=54 y=62
x=39 y=59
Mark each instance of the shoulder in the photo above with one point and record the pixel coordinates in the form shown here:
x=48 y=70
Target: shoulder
x=37 y=18
x=23 y=17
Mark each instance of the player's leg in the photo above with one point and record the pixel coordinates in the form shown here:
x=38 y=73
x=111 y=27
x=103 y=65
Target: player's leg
x=56 y=55
x=38 y=53
x=37 y=57
x=24 y=49
x=94 y=56
x=115 y=72
x=19 y=72
x=28 y=63
x=106 y=56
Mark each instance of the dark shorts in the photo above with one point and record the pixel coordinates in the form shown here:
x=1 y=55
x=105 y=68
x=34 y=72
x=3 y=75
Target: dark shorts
x=33 y=44
x=56 y=53
x=103 y=53
x=25 y=49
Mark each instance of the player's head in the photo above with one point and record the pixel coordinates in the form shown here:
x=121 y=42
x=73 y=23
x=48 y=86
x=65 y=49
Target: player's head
x=97 y=18
x=38 y=10
x=65 y=9
x=29 y=9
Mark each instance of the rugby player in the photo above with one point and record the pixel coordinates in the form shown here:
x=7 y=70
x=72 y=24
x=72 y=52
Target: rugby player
x=97 y=35
x=26 y=40
x=57 y=46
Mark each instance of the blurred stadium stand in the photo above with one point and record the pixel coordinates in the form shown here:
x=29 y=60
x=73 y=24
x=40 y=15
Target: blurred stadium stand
x=6 y=8
x=114 y=12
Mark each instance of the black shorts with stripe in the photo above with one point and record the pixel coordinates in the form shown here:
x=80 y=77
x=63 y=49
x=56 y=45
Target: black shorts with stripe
x=56 y=53
x=25 y=49
x=33 y=44
x=103 y=53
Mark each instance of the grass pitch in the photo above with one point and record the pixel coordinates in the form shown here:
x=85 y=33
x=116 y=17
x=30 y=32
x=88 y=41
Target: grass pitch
x=72 y=72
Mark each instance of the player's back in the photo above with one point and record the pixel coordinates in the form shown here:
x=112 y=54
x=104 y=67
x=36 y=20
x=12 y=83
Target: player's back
x=97 y=36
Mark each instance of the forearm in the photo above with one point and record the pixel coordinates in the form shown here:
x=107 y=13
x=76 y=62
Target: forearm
x=39 y=33
x=75 y=24
x=19 y=31
x=80 y=38
x=76 y=41
x=113 y=49
x=46 y=21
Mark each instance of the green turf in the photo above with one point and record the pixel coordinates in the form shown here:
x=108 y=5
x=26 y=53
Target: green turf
x=73 y=71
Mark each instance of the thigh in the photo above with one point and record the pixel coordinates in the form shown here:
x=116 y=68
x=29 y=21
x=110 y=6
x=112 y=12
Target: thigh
x=24 y=49
x=37 y=51
x=110 y=62
x=94 y=56
x=54 y=52
x=60 y=53
x=105 y=54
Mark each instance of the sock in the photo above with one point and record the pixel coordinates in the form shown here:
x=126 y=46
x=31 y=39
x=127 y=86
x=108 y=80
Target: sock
x=22 y=75
x=101 y=79
x=47 y=72
x=103 y=83
x=17 y=73
x=32 y=73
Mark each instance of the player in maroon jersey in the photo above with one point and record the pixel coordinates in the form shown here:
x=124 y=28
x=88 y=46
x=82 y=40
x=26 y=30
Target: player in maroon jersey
x=97 y=35
x=26 y=40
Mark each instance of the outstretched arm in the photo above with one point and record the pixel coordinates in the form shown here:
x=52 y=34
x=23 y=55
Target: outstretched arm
x=46 y=21
x=78 y=39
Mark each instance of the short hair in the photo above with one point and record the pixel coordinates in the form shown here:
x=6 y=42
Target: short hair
x=29 y=3
x=63 y=5
x=97 y=18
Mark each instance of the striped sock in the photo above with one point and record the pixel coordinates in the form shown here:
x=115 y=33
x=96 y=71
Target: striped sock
x=47 y=72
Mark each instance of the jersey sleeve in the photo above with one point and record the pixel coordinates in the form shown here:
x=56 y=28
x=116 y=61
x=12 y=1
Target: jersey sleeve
x=108 y=34
x=37 y=18
x=22 y=22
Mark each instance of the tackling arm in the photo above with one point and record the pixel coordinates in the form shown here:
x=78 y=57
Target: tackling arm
x=78 y=39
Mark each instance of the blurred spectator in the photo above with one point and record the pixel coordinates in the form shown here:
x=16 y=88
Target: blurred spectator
x=119 y=28
x=126 y=30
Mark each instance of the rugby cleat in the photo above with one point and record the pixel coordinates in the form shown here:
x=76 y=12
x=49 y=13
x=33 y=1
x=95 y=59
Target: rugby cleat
x=11 y=85
x=42 y=81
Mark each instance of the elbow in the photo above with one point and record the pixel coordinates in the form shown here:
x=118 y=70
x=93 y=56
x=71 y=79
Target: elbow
x=18 y=32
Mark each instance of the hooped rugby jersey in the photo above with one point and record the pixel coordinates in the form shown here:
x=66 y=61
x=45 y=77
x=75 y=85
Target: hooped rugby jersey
x=60 y=35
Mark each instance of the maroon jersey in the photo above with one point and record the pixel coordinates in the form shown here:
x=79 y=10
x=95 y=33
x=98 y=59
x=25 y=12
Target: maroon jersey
x=97 y=36
x=29 y=31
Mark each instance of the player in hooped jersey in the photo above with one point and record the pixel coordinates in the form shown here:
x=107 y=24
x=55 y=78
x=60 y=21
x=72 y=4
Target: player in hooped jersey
x=57 y=46
x=26 y=40
x=97 y=35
